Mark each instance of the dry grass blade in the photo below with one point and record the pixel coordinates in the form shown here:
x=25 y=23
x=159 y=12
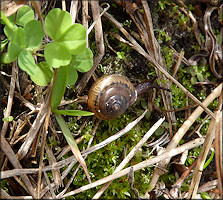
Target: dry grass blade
x=100 y=47
x=190 y=145
x=56 y=172
x=145 y=27
x=16 y=164
x=37 y=7
x=151 y=38
x=174 y=192
x=201 y=160
x=49 y=185
x=11 y=7
x=75 y=172
x=183 y=129
x=21 y=197
x=64 y=175
x=22 y=123
x=115 y=136
x=218 y=150
x=195 y=26
x=73 y=10
x=70 y=140
x=208 y=186
x=33 y=131
x=10 y=99
x=178 y=63
x=71 y=159
x=85 y=17
x=213 y=127
x=5 y=195
x=130 y=155
x=95 y=21
x=45 y=130
x=17 y=172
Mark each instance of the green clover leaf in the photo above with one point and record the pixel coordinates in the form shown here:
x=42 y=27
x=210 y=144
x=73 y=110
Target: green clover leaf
x=56 y=54
x=83 y=62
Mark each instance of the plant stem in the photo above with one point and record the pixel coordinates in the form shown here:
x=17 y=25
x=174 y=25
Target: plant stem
x=38 y=54
x=39 y=48
x=8 y=22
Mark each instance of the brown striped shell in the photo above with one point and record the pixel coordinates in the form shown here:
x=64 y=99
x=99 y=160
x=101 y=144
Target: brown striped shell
x=110 y=96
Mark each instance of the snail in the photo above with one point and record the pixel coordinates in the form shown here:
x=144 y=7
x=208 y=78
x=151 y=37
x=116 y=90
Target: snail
x=111 y=95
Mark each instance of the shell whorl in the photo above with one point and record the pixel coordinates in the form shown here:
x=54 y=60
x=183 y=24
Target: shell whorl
x=110 y=96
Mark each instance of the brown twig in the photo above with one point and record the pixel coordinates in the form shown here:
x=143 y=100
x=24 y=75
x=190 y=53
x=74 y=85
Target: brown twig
x=176 y=67
x=201 y=159
x=176 y=186
x=99 y=46
x=19 y=96
x=218 y=148
x=10 y=99
x=48 y=112
x=16 y=164
x=85 y=17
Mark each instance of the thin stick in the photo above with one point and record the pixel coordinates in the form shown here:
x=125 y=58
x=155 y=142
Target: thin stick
x=178 y=63
x=201 y=160
x=48 y=100
x=16 y=164
x=73 y=10
x=85 y=17
x=64 y=5
x=99 y=46
x=10 y=99
x=43 y=145
x=95 y=21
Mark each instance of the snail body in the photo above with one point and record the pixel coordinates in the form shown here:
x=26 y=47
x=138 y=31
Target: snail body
x=111 y=95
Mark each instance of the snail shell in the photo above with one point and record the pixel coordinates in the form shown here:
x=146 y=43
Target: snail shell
x=110 y=96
